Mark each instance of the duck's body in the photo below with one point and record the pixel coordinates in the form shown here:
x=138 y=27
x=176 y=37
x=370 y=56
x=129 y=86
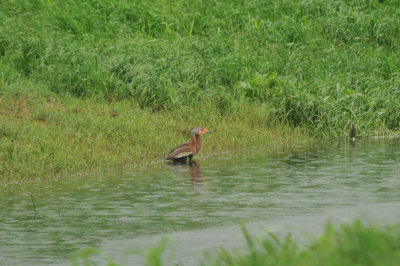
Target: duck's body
x=181 y=153
x=187 y=150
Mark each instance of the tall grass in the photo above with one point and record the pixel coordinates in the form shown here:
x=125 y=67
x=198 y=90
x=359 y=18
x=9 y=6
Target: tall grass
x=331 y=67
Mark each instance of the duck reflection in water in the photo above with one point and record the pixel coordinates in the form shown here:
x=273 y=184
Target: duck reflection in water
x=194 y=171
x=195 y=175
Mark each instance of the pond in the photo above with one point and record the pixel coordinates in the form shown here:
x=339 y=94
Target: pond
x=200 y=207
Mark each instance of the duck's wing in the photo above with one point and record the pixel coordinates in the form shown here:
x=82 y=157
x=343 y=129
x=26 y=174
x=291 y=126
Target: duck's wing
x=179 y=146
x=179 y=151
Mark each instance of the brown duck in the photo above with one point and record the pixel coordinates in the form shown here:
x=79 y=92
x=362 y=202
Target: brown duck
x=187 y=150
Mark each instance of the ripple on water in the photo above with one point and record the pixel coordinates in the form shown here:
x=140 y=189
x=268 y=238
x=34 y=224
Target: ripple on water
x=300 y=188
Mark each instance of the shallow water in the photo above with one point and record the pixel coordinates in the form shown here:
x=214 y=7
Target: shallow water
x=200 y=207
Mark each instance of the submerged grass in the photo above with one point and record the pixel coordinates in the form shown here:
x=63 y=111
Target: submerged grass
x=330 y=68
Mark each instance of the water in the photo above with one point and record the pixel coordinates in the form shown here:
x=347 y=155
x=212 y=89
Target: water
x=200 y=207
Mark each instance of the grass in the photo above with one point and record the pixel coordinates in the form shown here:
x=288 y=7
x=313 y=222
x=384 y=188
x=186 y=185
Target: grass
x=348 y=244
x=351 y=244
x=48 y=137
x=328 y=69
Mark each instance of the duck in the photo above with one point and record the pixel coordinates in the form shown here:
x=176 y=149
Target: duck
x=187 y=150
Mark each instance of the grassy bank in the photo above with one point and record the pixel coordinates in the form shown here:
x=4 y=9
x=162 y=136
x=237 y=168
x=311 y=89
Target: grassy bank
x=103 y=83
x=350 y=244
x=47 y=136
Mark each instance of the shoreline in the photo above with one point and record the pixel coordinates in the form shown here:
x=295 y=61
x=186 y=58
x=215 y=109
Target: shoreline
x=53 y=138
x=47 y=138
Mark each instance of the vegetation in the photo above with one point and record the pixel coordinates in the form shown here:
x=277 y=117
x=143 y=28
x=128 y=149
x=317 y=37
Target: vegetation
x=84 y=84
x=353 y=244
x=51 y=136
x=350 y=244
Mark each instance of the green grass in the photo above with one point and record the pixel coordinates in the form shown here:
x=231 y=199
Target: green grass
x=47 y=137
x=348 y=244
x=351 y=244
x=330 y=68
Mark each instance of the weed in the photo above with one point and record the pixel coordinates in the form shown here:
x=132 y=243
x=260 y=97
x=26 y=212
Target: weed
x=351 y=244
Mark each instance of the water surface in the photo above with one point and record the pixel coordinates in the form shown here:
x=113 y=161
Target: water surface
x=200 y=207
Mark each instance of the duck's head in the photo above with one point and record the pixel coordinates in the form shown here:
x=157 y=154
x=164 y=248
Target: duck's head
x=198 y=130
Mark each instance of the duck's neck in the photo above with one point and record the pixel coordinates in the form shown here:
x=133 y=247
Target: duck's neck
x=198 y=143
x=195 y=145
